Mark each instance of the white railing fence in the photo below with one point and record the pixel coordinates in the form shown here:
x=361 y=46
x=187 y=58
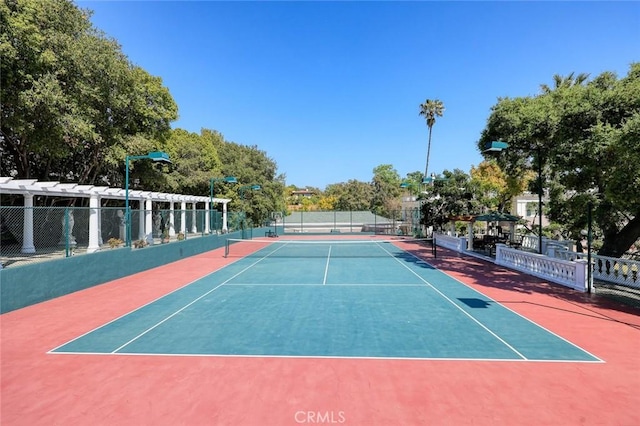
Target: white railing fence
x=567 y=272
x=559 y=264
x=531 y=242
x=453 y=243
x=610 y=269
x=571 y=274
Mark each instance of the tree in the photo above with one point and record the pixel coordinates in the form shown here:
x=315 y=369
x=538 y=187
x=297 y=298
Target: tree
x=74 y=106
x=351 y=196
x=561 y=82
x=195 y=161
x=495 y=189
x=586 y=137
x=430 y=109
x=70 y=97
x=413 y=182
x=452 y=195
x=327 y=202
x=386 y=190
x=252 y=166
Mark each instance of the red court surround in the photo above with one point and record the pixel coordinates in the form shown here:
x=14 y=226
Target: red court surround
x=55 y=389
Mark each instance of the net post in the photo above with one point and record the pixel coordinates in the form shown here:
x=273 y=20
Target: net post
x=226 y=248
x=434 y=246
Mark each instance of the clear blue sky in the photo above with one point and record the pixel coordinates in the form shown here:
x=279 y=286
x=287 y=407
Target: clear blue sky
x=330 y=90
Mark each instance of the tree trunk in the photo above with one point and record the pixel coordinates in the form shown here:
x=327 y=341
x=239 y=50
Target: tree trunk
x=616 y=244
x=426 y=169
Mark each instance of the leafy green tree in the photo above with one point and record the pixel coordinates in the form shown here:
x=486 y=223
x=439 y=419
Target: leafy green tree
x=195 y=161
x=430 y=109
x=561 y=82
x=452 y=195
x=352 y=195
x=252 y=166
x=70 y=97
x=578 y=136
x=327 y=202
x=386 y=190
x=494 y=188
x=412 y=183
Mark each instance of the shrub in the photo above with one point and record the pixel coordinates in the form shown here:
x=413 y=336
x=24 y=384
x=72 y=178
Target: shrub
x=140 y=243
x=115 y=242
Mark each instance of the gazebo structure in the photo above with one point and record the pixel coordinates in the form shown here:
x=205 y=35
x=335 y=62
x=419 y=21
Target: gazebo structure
x=487 y=217
x=28 y=188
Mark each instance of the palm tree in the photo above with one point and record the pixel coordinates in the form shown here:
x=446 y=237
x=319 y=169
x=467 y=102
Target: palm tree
x=430 y=109
x=563 y=82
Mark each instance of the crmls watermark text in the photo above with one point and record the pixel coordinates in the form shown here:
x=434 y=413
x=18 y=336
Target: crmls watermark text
x=320 y=417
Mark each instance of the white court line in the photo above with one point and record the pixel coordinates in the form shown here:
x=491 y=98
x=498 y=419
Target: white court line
x=507 y=308
x=332 y=357
x=187 y=305
x=326 y=267
x=387 y=358
x=462 y=310
x=320 y=285
x=143 y=306
x=161 y=297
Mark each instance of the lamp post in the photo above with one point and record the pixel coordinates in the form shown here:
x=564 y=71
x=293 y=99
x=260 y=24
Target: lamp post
x=158 y=156
x=212 y=181
x=241 y=191
x=431 y=179
x=499 y=146
x=245 y=187
x=414 y=205
x=539 y=200
x=589 y=247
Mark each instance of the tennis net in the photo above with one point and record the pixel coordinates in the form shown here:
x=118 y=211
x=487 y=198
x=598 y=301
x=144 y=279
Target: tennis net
x=310 y=248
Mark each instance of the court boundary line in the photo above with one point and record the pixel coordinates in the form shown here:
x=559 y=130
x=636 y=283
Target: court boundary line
x=506 y=307
x=216 y=288
x=477 y=321
x=321 y=285
x=187 y=305
x=55 y=350
x=381 y=358
x=377 y=243
x=326 y=267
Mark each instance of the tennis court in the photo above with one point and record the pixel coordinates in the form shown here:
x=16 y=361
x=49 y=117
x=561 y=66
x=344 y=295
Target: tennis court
x=351 y=298
x=376 y=332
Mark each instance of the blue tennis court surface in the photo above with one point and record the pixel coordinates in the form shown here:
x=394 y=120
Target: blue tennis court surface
x=327 y=299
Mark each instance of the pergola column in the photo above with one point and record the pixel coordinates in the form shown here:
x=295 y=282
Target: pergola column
x=172 y=227
x=207 y=228
x=100 y=241
x=470 y=235
x=224 y=218
x=27 y=230
x=142 y=220
x=194 y=225
x=94 y=229
x=148 y=220
x=183 y=217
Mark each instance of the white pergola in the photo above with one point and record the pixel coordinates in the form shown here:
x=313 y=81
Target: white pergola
x=30 y=187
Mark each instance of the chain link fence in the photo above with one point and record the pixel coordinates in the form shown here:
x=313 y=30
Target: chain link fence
x=55 y=232
x=399 y=222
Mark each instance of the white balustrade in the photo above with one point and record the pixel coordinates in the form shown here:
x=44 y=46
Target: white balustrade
x=610 y=269
x=565 y=272
x=454 y=243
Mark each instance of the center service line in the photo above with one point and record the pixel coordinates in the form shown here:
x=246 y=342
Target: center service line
x=326 y=268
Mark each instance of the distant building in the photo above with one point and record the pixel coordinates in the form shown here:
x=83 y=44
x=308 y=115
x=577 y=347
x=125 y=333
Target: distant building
x=300 y=198
x=525 y=205
x=299 y=193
